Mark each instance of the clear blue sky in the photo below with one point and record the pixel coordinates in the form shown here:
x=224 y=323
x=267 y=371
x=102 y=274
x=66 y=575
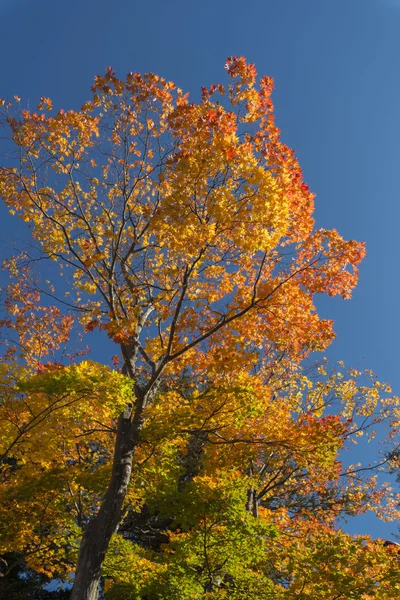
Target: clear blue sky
x=337 y=98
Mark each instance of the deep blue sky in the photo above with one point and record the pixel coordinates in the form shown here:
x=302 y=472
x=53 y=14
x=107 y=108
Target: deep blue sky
x=337 y=98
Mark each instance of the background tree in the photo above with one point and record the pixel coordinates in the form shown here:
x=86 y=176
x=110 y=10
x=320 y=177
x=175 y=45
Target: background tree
x=185 y=232
x=21 y=583
x=231 y=485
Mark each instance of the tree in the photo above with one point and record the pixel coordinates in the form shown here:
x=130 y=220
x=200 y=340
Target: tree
x=185 y=232
x=236 y=489
x=23 y=584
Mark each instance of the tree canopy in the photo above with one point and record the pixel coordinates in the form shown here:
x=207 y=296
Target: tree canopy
x=204 y=460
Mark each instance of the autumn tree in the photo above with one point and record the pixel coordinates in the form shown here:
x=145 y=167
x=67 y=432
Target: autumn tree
x=183 y=231
x=236 y=489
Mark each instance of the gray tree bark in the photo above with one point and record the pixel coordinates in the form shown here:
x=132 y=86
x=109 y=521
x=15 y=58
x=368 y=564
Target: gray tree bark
x=97 y=535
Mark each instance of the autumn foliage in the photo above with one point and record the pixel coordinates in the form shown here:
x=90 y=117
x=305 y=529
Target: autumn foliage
x=206 y=461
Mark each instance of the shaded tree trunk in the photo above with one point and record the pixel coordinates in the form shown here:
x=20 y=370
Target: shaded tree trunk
x=97 y=535
x=191 y=461
x=252 y=497
x=252 y=502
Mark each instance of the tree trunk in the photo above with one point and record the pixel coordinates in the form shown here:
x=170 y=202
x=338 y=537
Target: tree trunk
x=252 y=497
x=252 y=502
x=97 y=535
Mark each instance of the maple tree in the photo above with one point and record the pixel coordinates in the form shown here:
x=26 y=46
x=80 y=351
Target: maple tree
x=183 y=231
